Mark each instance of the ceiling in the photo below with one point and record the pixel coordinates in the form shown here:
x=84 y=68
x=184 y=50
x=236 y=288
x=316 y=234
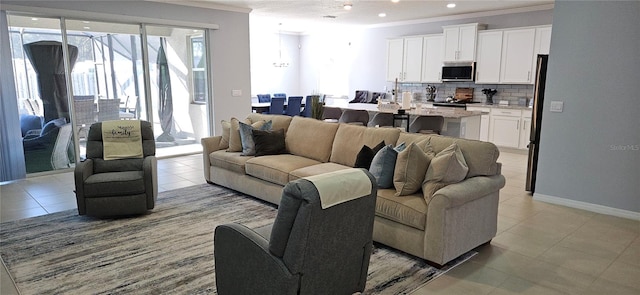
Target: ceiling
x=304 y=15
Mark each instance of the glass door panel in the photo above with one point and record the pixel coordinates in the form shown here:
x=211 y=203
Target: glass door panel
x=38 y=65
x=108 y=77
x=179 y=89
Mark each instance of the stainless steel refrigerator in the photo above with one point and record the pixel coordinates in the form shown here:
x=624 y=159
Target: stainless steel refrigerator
x=536 y=120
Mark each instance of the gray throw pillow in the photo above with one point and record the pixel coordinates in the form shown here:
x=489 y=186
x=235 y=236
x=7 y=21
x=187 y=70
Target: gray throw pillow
x=246 y=137
x=384 y=164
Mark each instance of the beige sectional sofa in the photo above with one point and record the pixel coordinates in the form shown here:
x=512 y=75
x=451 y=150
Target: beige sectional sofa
x=458 y=217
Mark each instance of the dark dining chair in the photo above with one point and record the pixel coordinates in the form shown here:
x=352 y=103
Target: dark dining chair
x=280 y=95
x=277 y=106
x=308 y=102
x=427 y=124
x=293 y=106
x=264 y=97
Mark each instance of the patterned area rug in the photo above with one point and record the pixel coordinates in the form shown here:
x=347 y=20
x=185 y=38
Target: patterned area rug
x=169 y=250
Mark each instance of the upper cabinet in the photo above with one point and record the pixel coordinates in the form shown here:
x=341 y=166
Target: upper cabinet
x=488 y=57
x=432 y=59
x=395 y=53
x=517 y=53
x=404 y=59
x=543 y=40
x=460 y=42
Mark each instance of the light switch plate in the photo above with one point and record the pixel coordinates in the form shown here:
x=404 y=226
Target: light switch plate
x=556 y=106
x=236 y=92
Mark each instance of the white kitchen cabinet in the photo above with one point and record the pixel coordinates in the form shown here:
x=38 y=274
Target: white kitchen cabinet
x=404 y=59
x=460 y=42
x=517 y=53
x=432 y=59
x=505 y=127
x=525 y=130
x=395 y=52
x=543 y=40
x=488 y=57
x=412 y=61
x=485 y=119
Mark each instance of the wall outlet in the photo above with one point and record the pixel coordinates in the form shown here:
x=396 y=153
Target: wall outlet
x=556 y=106
x=236 y=92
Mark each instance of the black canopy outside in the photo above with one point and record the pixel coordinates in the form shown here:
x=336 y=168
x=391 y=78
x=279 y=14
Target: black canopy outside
x=47 y=60
x=165 y=106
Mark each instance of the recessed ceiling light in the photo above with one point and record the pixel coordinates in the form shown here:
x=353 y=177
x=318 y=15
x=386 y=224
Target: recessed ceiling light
x=347 y=6
x=382 y=14
x=451 y=5
x=87 y=28
x=395 y=1
x=34 y=18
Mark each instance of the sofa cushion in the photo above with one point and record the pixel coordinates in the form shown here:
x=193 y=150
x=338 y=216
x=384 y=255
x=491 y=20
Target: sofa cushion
x=235 y=143
x=276 y=168
x=246 y=136
x=311 y=138
x=269 y=142
x=383 y=165
x=411 y=167
x=315 y=170
x=226 y=132
x=409 y=210
x=229 y=161
x=278 y=121
x=366 y=154
x=349 y=139
x=481 y=157
x=114 y=184
x=447 y=167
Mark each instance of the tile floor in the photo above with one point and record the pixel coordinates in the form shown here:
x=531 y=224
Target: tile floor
x=540 y=248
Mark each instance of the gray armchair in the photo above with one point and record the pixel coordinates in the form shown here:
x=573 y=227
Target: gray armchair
x=116 y=187
x=308 y=250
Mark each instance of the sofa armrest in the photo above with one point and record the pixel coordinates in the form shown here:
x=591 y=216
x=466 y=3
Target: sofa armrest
x=467 y=190
x=209 y=145
x=244 y=264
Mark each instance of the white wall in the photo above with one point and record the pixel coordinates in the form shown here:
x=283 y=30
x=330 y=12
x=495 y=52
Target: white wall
x=590 y=153
x=367 y=47
x=229 y=44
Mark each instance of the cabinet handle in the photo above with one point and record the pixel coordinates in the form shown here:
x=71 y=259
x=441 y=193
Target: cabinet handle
x=477 y=75
x=529 y=76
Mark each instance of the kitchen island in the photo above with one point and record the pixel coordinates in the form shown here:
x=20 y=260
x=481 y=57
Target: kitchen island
x=457 y=122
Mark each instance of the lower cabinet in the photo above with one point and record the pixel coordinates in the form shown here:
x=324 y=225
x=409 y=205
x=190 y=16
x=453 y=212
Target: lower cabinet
x=505 y=131
x=525 y=130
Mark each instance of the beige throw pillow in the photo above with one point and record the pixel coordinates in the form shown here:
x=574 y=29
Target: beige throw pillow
x=226 y=131
x=447 y=167
x=411 y=167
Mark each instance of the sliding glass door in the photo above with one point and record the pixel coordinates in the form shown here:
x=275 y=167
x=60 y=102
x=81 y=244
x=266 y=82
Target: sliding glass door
x=109 y=81
x=179 y=91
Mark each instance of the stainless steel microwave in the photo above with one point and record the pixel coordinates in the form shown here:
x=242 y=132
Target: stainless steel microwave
x=458 y=72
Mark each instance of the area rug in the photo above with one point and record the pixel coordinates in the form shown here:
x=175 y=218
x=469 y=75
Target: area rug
x=169 y=250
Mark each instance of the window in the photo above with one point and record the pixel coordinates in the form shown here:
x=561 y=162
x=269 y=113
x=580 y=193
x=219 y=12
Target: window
x=198 y=69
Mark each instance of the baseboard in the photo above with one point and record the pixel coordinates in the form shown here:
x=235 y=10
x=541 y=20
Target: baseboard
x=587 y=206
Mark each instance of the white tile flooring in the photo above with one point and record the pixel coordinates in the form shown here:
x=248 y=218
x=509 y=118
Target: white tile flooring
x=540 y=248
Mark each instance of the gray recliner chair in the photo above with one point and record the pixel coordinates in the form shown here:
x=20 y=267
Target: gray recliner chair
x=308 y=250
x=116 y=187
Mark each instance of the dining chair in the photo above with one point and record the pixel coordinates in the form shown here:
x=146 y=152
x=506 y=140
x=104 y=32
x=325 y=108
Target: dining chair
x=293 y=106
x=331 y=113
x=264 y=97
x=283 y=95
x=277 y=106
x=306 y=112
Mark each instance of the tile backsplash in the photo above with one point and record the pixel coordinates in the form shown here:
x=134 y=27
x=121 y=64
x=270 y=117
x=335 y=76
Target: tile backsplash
x=510 y=92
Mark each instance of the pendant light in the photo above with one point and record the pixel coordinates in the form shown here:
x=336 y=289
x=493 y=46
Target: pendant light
x=280 y=63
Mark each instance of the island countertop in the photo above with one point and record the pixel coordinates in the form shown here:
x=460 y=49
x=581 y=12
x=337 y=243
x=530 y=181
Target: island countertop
x=454 y=113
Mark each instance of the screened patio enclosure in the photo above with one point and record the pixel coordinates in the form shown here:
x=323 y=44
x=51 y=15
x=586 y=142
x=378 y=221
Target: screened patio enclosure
x=121 y=72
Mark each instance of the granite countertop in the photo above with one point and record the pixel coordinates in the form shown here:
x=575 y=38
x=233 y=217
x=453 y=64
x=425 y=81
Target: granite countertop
x=483 y=105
